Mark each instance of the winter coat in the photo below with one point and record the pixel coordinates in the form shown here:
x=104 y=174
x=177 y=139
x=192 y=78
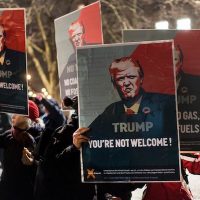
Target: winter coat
x=17 y=179
x=174 y=190
x=58 y=175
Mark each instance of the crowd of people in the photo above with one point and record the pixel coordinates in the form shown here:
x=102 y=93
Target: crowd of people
x=41 y=151
x=41 y=160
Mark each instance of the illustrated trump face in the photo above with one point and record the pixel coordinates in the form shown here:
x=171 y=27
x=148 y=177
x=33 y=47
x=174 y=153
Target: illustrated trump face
x=127 y=77
x=178 y=59
x=76 y=32
x=2 y=38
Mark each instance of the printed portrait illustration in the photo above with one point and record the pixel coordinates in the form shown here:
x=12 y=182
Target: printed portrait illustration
x=79 y=28
x=13 y=84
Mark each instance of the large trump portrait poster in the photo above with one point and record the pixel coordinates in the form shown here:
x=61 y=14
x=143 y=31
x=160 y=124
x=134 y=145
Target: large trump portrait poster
x=187 y=67
x=13 y=83
x=79 y=28
x=127 y=99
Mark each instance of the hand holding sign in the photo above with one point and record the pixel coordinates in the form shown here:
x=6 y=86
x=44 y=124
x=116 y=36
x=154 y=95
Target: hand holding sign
x=79 y=137
x=40 y=96
x=27 y=157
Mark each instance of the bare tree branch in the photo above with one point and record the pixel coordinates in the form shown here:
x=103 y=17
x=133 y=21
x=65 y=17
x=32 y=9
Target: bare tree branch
x=37 y=65
x=36 y=47
x=43 y=34
x=115 y=12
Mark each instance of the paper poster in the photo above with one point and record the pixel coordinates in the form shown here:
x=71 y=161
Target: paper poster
x=79 y=28
x=187 y=63
x=129 y=104
x=13 y=83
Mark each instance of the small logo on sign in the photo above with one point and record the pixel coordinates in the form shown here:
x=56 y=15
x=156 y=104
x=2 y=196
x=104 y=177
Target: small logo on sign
x=8 y=62
x=184 y=89
x=146 y=110
x=90 y=173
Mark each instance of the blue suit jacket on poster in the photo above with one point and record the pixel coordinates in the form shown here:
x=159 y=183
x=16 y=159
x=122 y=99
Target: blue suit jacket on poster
x=156 y=109
x=14 y=62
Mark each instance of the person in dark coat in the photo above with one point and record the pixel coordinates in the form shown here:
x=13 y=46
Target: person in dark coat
x=17 y=179
x=53 y=117
x=5 y=124
x=59 y=175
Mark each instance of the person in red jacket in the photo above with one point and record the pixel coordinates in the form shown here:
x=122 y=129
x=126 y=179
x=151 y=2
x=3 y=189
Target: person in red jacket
x=175 y=190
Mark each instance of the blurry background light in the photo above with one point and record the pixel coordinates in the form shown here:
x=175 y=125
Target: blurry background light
x=183 y=24
x=162 y=25
x=28 y=77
